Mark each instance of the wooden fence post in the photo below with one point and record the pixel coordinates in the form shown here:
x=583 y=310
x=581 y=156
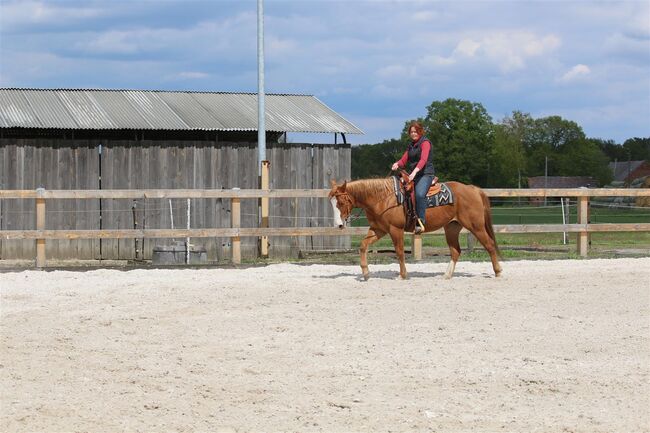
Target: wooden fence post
x=416 y=246
x=264 y=240
x=236 y=223
x=40 y=225
x=583 y=236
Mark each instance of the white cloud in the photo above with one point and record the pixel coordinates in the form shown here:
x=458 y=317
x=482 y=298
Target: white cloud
x=115 y=42
x=16 y=14
x=510 y=50
x=390 y=91
x=623 y=45
x=576 y=72
x=192 y=75
x=424 y=16
x=279 y=47
x=467 y=47
x=395 y=71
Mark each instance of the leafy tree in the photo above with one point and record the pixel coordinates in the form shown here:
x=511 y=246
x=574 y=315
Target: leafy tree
x=552 y=140
x=508 y=158
x=462 y=135
x=585 y=158
x=638 y=149
x=614 y=152
x=374 y=160
x=468 y=147
x=547 y=141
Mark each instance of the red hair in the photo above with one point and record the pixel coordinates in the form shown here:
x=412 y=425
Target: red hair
x=418 y=128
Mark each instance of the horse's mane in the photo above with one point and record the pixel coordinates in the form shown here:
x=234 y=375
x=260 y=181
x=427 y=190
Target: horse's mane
x=369 y=188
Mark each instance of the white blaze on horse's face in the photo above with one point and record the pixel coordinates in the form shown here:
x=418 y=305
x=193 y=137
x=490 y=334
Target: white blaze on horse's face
x=338 y=221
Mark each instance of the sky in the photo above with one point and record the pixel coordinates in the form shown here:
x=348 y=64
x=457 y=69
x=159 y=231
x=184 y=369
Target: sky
x=377 y=63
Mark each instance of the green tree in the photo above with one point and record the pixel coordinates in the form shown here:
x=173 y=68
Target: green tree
x=508 y=158
x=637 y=149
x=546 y=143
x=462 y=135
x=374 y=160
x=614 y=152
x=585 y=158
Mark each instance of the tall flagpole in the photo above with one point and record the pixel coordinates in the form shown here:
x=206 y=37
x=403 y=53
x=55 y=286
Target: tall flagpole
x=262 y=163
x=261 y=128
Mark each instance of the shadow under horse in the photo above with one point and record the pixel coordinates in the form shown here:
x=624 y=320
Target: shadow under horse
x=377 y=197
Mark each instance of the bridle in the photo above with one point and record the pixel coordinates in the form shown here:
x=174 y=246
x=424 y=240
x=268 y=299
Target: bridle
x=351 y=216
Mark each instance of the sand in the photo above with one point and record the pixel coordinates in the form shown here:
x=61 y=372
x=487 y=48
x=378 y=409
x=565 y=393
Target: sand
x=552 y=346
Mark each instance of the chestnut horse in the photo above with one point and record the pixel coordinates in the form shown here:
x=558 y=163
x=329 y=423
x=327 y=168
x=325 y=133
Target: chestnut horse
x=470 y=209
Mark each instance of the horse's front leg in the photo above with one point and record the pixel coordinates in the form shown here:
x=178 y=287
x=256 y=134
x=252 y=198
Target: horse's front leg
x=372 y=236
x=397 y=235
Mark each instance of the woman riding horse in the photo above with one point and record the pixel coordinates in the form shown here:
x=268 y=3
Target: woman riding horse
x=419 y=157
x=470 y=209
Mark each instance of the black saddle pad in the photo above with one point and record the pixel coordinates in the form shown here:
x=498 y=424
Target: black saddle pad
x=442 y=198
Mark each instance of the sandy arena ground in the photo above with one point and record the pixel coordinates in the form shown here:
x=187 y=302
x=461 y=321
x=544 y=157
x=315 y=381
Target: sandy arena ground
x=552 y=346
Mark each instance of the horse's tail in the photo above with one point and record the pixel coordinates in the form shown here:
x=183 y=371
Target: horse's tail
x=488 y=220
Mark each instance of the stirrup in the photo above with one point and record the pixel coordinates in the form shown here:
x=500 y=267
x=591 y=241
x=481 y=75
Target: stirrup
x=419 y=227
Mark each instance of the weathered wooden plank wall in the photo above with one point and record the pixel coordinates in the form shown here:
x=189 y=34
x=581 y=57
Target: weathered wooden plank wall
x=75 y=164
x=50 y=164
x=329 y=162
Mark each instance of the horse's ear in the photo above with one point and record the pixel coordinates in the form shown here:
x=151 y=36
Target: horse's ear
x=333 y=183
x=344 y=185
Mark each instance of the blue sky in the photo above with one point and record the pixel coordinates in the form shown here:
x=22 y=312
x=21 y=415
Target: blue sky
x=377 y=63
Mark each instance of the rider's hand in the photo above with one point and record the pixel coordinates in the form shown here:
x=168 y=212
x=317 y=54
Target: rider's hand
x=394 y=167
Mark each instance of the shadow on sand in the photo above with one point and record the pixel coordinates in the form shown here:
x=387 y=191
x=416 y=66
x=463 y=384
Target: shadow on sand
x=394 y=275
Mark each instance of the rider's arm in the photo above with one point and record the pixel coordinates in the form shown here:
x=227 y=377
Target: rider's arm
x=424 y=155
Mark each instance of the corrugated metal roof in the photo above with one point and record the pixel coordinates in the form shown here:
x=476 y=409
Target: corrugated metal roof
x=147 y=109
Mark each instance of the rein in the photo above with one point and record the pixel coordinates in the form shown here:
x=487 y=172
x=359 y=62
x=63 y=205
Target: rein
x=353 y=217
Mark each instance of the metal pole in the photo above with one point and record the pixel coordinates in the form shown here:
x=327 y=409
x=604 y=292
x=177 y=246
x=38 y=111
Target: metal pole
x=187 y=240
x=545 y=177
x=261 y=128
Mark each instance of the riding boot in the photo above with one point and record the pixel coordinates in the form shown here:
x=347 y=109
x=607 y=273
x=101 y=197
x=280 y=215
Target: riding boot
x=419 y=227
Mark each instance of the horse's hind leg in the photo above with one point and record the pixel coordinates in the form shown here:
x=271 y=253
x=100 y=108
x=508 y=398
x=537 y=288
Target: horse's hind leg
x=372 y=236
x=452 y=231
x=397 y=235
x=490 y=246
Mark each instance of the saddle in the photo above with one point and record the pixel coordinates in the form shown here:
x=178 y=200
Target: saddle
x=408 y=190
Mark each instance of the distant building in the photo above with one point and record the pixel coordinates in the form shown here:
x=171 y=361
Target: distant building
x=627 y=171
x=562 y=182
x=559 y=182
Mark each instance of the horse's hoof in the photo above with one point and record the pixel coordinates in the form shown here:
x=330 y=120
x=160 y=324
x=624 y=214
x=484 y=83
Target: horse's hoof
x=365 y=277
x=448 y=277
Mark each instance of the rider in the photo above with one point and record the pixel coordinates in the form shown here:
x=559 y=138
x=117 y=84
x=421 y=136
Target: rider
x=419 y=157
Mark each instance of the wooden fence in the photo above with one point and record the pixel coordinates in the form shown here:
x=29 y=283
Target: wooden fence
x=97 y=164
x=235 y=232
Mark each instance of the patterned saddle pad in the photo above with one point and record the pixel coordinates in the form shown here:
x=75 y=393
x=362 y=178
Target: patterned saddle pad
x=441 y=198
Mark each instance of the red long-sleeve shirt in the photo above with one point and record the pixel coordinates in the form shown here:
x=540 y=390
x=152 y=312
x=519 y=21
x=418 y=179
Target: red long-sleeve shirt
x=424 y=155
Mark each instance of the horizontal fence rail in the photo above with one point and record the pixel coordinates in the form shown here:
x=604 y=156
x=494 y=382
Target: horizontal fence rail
x=40 y=235
x=299 y=193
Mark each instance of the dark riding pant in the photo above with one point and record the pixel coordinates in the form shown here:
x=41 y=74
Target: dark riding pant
x=422 y=184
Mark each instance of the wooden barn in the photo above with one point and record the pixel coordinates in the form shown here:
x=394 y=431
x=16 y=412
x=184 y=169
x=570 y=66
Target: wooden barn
x=559 y=182
x=133 y=139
